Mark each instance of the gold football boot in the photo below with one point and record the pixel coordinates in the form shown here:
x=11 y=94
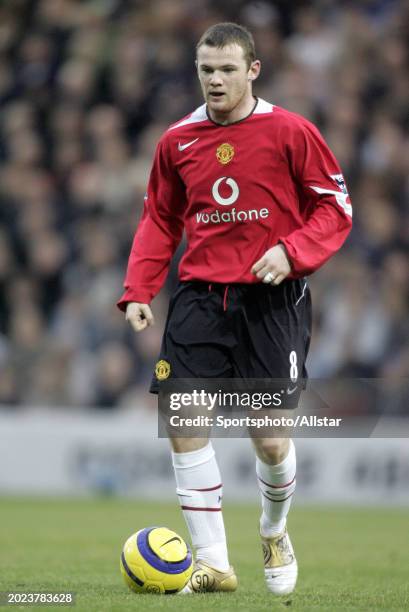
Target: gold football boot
x=206 y=579
x=280 y=564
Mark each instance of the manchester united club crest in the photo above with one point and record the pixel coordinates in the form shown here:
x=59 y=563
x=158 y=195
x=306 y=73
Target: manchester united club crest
x=162 y=370
x=225 y=153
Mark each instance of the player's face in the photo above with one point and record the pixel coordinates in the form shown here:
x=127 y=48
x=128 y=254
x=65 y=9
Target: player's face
x=226 y=81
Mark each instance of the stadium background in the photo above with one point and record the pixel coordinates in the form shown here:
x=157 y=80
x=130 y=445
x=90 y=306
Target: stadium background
x=86 y=88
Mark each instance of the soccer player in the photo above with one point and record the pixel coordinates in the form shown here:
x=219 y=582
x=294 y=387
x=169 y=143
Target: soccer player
x=263 y=203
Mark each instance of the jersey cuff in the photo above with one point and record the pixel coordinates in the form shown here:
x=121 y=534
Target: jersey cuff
x=142 y=297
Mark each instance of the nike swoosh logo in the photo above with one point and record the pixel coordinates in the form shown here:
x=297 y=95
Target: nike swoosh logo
x=174 y=539
x=291 y=391
x=185 y=146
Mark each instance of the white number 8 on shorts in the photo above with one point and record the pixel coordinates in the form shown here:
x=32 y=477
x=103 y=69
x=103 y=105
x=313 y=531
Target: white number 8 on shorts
x=293 y=367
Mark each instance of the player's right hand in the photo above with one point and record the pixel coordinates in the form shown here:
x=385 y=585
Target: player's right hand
x=139 y=315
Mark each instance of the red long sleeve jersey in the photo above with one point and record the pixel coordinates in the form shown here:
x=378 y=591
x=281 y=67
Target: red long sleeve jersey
x=237 y=190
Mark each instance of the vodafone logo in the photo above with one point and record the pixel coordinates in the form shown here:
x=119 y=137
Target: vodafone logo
x=235 y=191
x=232 y=215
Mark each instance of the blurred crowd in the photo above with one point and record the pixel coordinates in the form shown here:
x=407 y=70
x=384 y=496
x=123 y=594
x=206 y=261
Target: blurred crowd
x=86 y=89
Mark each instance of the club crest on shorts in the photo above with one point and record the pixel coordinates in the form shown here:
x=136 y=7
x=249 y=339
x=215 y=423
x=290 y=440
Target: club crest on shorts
x=225 y=153
x=162 y=370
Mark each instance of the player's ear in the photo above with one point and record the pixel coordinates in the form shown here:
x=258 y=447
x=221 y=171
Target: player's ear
x=254 y=70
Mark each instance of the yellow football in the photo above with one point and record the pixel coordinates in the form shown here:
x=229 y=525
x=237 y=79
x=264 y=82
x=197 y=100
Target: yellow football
x=156 y=560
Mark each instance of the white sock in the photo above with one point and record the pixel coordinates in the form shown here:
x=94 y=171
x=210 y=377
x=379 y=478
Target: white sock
x=277 y=485
x=200 y=491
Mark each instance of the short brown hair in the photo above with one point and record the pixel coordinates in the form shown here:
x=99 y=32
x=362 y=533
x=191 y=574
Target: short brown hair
x=223 y=34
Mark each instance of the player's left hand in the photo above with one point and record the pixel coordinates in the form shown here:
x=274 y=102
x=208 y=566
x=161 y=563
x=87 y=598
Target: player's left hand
x=274 y=266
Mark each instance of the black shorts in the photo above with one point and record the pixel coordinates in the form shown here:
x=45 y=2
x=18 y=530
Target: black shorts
x=236 y=331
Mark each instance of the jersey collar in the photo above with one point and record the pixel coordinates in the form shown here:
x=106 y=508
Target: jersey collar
x=233 y=122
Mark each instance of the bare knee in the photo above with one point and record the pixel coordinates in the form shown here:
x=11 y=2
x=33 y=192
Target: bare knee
x=187 y=445
x=271 y=450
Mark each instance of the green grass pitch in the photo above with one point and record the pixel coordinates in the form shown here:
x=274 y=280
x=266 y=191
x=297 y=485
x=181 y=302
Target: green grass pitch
x=349 y=559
